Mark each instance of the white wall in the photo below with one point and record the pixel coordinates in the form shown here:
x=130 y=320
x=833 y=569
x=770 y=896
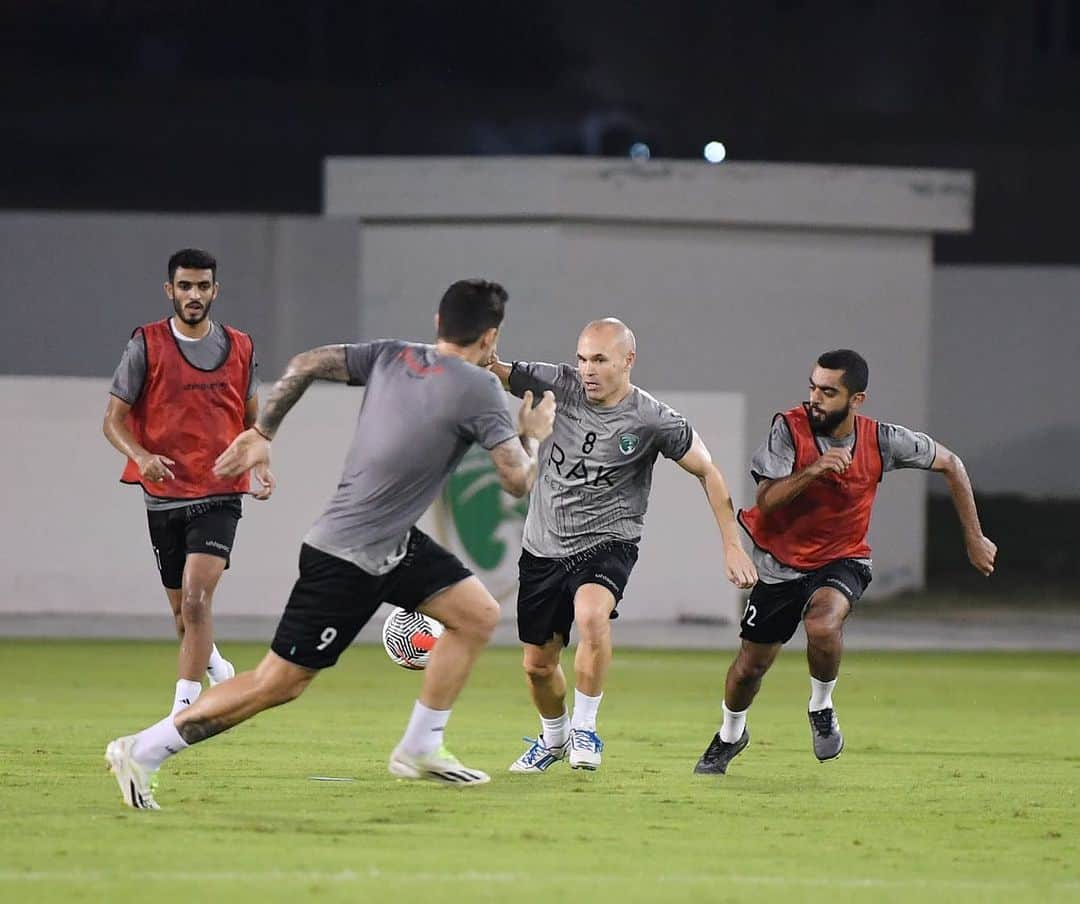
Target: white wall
x=76 y=539
x=1006 y=365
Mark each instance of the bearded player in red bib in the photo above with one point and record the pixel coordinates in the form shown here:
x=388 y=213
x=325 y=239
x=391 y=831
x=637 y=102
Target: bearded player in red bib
x=185 y=386
x=817 y=474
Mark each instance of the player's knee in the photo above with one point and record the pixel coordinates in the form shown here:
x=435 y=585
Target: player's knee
x=194 y=607
x=593 y=625
x=750 y=671
x=539 y=671
x=480 y=620
x=489 y=618
x=822 y=627
x=281 y=687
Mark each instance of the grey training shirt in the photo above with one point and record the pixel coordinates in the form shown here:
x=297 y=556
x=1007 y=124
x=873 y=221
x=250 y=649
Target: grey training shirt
x=596 y=467
x=421 y=413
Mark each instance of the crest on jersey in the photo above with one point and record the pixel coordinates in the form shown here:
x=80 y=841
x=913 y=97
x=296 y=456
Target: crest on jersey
x=627 y=443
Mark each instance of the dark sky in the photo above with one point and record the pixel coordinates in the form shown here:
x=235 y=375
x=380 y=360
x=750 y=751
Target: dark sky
x=148 y=105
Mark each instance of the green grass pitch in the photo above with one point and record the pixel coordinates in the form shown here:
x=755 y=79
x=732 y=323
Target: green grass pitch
x=959 y=782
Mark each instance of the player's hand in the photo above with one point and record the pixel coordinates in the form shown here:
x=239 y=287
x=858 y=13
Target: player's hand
x=267 y=481
x=836 y=461
x=155 y=468
x=537 y=422
x=982 y=553
x=249 y=449
x=739 y=568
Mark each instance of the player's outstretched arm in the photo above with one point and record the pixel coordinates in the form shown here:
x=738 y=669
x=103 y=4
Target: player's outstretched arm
x=740 y=570
x=324 y=363
x=252 y=447
x=535 y=376
x=501 y=369
x=265 y=477
x=981 y=551
x=516 y=461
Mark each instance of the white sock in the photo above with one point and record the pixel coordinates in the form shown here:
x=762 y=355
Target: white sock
x=216 y=663
x=555 y=731
x=820 y=694
x=154 y=745
x=187 y=692
x=585 y=708
x=734 y=724
x=424 y=733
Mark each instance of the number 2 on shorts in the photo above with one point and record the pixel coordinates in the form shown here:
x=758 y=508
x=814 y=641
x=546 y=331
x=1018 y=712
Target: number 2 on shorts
x=749 y=614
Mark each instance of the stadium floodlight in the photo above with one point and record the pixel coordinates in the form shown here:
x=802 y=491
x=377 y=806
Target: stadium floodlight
x=715 y=152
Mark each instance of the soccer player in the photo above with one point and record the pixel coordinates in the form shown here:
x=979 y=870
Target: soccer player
x=817 y=474
x=585 y=518
x=184 y=388
x=425 y=405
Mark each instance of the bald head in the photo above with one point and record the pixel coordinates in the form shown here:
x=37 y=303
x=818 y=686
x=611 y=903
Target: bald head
x=611 y=330
x=606 y=353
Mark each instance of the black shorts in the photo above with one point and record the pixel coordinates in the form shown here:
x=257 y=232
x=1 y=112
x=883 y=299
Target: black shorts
x=547 y=587
x=333 y=599
x=205 y=527
x=774 y=611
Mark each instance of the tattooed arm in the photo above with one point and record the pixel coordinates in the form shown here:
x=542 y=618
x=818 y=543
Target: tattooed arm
x=324 y=363
x=252 y=447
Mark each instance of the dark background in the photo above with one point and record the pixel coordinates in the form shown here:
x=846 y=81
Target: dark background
x=231 y=106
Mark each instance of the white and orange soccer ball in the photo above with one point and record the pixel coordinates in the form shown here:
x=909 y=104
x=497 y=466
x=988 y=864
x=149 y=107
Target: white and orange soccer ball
x=409 y=638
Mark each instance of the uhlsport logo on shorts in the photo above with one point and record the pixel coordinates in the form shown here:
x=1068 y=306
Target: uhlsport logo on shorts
x=627 y=443
x=481 y=524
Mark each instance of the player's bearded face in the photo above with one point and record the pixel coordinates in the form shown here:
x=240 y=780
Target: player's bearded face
x=192 y=293
x=823 y=422
x=830 y=401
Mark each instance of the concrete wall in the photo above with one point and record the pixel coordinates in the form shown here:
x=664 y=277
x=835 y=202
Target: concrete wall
x=1006 y=362
x=80 y=282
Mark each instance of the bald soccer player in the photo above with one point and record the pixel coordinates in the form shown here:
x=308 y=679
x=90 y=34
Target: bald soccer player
x=586 y=513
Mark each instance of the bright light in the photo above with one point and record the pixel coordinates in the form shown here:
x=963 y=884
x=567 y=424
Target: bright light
x=639 y=150
x=715 y=152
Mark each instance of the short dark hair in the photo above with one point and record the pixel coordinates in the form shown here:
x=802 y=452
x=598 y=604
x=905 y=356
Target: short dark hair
x=856 y=371
x=469 y=308
x=192 y=259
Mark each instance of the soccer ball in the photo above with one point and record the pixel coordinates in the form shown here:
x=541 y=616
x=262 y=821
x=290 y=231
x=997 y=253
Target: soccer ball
x=409 y=637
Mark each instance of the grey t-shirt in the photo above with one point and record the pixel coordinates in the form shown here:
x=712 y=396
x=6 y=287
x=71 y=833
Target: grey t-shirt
x=775 y=458
x=421 y=413
x=596 y=467
x=207 y=353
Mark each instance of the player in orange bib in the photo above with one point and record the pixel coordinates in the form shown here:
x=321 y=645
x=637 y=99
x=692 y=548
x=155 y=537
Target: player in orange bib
x=817 y=475
x=185 y=386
